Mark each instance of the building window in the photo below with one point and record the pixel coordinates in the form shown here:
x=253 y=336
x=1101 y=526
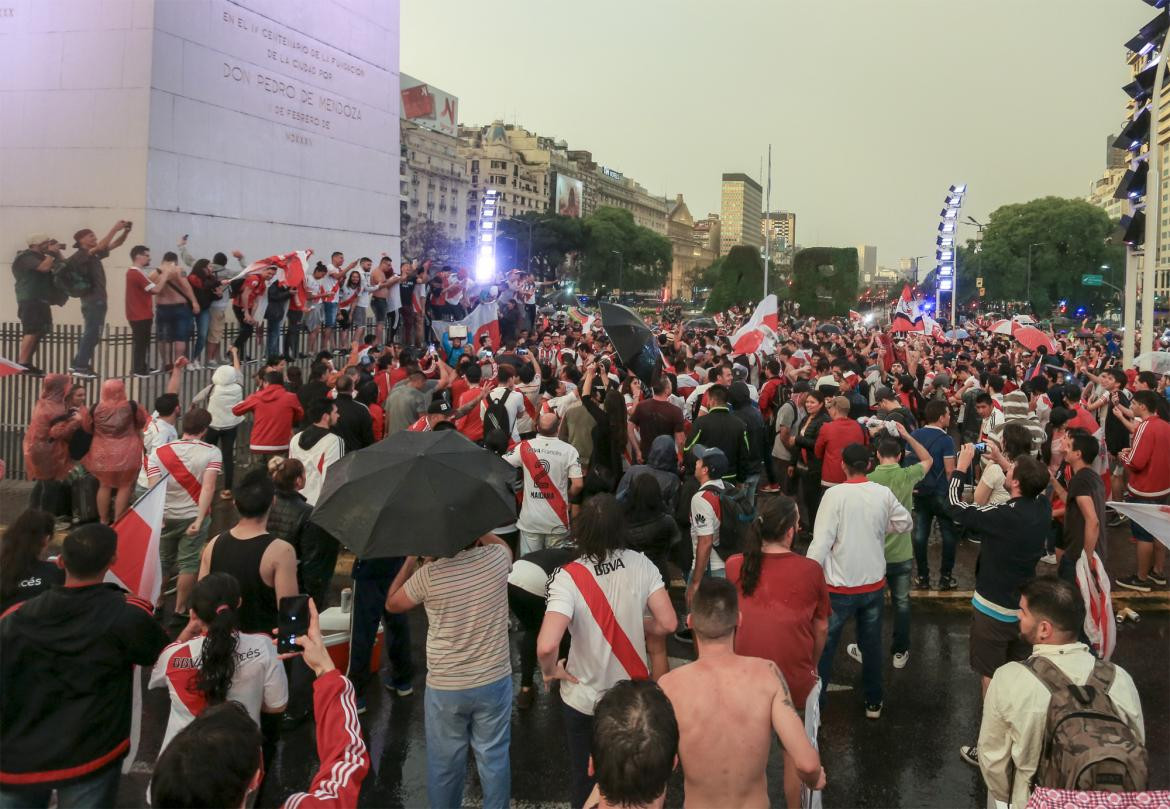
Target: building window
x=475 y=167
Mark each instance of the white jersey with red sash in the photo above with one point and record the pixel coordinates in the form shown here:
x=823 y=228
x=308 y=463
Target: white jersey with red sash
x=185 y=461
x=604 y=602
x=548 y=464
x=316 y=459
x=420 y=426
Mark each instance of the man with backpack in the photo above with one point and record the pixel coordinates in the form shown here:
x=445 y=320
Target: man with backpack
x=1062 y=718
x=719 y=513
x=35 y=293
x=84 y=277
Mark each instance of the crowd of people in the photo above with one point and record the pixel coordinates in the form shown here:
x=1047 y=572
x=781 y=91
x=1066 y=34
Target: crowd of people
x=782 y=493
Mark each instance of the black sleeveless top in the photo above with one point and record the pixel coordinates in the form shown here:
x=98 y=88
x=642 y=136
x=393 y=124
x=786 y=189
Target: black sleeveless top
x=241 y=558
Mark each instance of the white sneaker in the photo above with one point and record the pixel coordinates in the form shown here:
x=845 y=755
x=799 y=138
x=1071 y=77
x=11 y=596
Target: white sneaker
x=1048 y=559
x=901 y=659
x=853 y=651
x=194 y=365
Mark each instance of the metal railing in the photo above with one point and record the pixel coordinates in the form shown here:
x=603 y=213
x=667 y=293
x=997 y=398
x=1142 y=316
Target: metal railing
x=113 y=359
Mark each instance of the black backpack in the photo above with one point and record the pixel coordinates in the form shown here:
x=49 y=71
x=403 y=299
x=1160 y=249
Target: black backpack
x=735 y=515
x=71 y=280
x=495 y=416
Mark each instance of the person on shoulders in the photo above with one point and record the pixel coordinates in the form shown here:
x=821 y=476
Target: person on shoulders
x=753 y=703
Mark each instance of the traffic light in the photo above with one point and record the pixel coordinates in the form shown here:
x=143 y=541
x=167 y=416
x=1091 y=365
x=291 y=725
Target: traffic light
x=1145 y=49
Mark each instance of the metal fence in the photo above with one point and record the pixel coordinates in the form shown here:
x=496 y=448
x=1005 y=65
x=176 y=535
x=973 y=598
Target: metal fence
x=112 y=359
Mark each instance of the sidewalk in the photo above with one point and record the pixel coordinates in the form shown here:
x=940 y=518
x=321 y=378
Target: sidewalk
x=1119 y=561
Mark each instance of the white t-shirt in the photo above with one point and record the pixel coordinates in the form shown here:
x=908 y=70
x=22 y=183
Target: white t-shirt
x=562 y=462
x=705 y=518
x=259 y=680
x=627 y=579
x=531 y=392
x=156 y=433
x=514 y=404
x=183 y=492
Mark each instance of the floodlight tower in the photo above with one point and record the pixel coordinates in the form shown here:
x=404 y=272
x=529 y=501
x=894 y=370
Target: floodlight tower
x=485 y=260
x=1141 y=188
x=947 y=251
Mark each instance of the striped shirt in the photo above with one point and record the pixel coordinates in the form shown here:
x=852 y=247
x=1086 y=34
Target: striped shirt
x=466 y=598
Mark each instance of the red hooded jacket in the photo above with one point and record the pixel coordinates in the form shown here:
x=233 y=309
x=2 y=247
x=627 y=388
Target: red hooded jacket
x=276 y=411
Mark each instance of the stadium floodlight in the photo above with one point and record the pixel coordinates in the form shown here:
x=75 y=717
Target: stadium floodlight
x=949 y=213
x=946 y=284
x=1133 y=184
x=1133 y=228
x=947 y=226
x=944 y=255
x=946 y=242
x=485 y=267
x=1136 y=132
x=946 y=268
x=958 y=189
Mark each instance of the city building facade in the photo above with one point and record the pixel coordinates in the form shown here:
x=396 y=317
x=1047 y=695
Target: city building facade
x=689 y=250
x=867 y=263
x=741 y=208
x=434 y=182
x=782 y=227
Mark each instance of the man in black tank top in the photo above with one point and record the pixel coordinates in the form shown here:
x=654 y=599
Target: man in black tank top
x=264 y=565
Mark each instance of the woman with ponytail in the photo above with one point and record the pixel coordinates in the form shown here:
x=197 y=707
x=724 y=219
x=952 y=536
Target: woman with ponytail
x=784 y=607
x=213 y=662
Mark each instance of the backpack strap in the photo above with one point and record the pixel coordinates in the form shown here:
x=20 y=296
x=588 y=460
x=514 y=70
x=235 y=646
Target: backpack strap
x=1102 y=676
x=1048 y=673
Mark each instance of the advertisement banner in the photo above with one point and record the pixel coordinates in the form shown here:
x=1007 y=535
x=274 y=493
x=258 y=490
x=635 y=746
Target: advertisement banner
x=569 y=196
x=429 y=106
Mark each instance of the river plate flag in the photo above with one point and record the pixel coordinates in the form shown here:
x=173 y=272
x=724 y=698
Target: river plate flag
x=907 y=314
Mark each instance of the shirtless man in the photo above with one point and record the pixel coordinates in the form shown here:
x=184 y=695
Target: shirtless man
x=753 y=703
x=175 y=309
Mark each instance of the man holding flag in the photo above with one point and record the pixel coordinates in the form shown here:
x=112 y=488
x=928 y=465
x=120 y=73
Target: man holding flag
x=68 y=671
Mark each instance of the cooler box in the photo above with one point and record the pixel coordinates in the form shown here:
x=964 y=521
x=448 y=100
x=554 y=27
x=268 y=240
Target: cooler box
x=335 y=631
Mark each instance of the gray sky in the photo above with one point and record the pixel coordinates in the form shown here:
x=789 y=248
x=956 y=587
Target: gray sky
x=873 y=107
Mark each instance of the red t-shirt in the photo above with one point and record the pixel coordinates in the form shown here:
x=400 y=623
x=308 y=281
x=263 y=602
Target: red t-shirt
x=470 y=425
x=139 y=302
x=778 y=616
x=458 y=388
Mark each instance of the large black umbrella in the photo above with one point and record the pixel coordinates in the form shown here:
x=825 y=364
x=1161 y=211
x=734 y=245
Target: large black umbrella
x=633 y=341
x=424 y=494
x=829 y=328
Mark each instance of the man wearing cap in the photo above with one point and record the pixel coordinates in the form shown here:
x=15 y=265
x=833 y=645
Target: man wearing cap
x=437 y=411
x=849 y=543
x=890 y=408
x=33 y=269
x=86 y=266
x=711 y=466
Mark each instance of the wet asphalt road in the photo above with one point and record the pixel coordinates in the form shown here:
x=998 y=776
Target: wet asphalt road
x=908 y=758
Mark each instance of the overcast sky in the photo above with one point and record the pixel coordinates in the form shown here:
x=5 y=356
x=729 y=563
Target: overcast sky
x=873 y=107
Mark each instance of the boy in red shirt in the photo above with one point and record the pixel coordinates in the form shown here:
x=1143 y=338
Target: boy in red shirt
x=141 y=287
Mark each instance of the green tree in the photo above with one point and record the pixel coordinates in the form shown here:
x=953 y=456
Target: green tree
x=620 y=254
x=428 y=239
x=1067 y=239
x=824 y=280
x=739 y=279
x=554 y=238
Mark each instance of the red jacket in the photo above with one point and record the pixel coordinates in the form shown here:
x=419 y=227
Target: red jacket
x=344 y=758
x=1149 y=459
x=276 y=411
x=831 y=442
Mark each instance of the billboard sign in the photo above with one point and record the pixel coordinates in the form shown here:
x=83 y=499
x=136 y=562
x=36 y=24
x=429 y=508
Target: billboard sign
x=568 y=199
x=429 y=106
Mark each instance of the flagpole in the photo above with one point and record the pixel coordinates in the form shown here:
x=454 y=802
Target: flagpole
x=767 y=223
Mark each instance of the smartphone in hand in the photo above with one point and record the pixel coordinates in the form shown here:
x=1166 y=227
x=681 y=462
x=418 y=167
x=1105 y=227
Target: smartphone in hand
x=292 y=622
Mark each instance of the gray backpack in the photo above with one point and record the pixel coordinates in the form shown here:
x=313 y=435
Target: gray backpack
x=1088 y=745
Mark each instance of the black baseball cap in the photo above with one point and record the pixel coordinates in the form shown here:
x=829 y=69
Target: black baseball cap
x=713 y=458
x=438 y=406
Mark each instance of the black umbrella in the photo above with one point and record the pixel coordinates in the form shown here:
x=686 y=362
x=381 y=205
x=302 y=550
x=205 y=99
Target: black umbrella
x=424 y=494
x=829 y=328
x=633 y=341
x=562 y=297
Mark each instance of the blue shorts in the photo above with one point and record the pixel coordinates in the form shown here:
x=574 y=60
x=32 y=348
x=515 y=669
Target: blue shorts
x=380 y=307
x=329 y=314
x=173 y=322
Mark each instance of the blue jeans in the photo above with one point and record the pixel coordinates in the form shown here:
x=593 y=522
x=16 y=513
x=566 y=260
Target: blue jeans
x=579 y=739
x=272 y=332
x=898 y=580
x=96 y=791
x=93 y=313
x=202 y=323
x=371 y=582
x=750 y=484
x=481 y=716
x=926 y=509
x=868 y=608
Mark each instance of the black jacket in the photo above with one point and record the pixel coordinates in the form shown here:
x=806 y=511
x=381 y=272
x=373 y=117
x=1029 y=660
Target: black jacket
x=720 y=428
x=355 y=425
x=652 y=536
x=67 y=661
x=806 y=442
x=287 y=517
x=1012 y=536
x=747 y=412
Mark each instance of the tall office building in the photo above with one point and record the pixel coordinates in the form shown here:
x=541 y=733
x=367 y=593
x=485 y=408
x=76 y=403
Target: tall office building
x=782 y=225
x=866 y=263
x=741 y=209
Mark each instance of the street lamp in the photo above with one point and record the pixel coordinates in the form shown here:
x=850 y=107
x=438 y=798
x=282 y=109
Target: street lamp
x=1028 y=288
x=621 y=270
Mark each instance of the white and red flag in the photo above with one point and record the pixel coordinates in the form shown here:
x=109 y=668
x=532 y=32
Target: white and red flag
x=907 y=314
x=854 y=314
x=760 y=329
x=9 y=368
x=290 y=271
x=137 y=565
x=484 y=319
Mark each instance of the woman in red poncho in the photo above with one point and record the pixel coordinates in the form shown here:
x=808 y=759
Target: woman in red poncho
x=46 y=443
x=115 y=456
